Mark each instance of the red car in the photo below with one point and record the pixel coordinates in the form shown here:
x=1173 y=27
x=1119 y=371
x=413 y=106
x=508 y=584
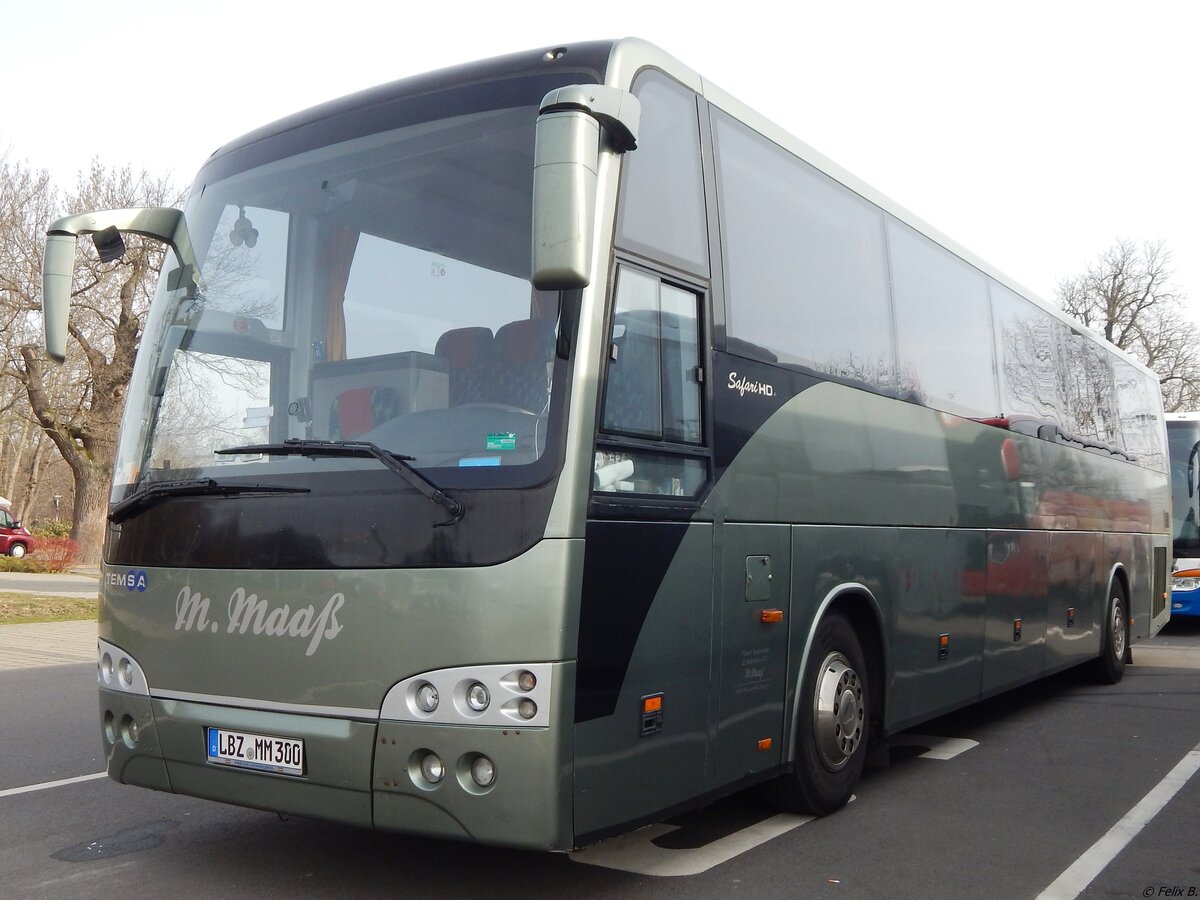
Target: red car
x=15 y=540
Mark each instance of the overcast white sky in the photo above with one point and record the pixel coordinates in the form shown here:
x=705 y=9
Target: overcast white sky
x=1034 y=133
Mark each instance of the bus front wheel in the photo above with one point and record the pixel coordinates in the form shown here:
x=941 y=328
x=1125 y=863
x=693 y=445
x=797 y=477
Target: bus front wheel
x=833 y=720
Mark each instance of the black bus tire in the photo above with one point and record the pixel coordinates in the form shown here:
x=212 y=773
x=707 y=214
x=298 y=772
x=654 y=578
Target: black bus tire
x=1109 y=667
x=833 y=722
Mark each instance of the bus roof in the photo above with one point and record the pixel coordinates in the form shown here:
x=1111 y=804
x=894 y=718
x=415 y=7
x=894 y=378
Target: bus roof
x=617 y=63
x=630 y=55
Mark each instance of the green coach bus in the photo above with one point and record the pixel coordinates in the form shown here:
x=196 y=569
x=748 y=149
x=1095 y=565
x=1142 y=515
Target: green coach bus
x=539 y=447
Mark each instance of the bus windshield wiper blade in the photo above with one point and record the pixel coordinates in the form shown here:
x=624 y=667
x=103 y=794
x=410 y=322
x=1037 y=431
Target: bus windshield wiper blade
x=193 y=487
x=397 y=462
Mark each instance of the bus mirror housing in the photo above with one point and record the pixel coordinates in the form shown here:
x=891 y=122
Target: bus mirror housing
x=58 y=259
x=570 y=126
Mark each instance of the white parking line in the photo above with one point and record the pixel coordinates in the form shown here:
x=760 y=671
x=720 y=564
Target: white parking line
x=935 y=747
x=1071 y=883
x=637 y=852
x=46 y=785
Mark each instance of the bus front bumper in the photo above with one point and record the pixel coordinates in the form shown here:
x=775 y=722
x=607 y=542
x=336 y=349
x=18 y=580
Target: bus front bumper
x=364 y=773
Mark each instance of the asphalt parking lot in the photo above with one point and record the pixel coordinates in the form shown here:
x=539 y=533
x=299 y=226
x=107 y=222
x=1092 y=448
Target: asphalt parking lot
x=1058 y=789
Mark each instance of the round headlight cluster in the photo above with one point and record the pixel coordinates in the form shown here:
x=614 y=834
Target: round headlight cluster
x=116 y=671
x=475 y=773
x=125 y=730
x=526 y=681
x=480 y=695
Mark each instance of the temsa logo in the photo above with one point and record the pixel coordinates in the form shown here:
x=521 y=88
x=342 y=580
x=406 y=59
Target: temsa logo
x=133 y=580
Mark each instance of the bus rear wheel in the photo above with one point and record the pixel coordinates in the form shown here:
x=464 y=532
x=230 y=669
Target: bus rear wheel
x=833 y=720
x=1109 y=667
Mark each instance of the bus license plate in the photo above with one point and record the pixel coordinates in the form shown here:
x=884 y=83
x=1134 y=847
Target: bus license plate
x=284 y=756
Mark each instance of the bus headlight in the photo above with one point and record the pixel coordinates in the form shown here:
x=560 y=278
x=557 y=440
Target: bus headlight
x=118 y=671
x=1187 y=583
x=478 y=697
x=526 y=681
x=427 y=697
x=487 y=695
x=483 y=771
x=432 y=769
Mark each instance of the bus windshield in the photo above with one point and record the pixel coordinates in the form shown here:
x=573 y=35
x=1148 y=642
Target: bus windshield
x=374 y=290
x=1183 y=436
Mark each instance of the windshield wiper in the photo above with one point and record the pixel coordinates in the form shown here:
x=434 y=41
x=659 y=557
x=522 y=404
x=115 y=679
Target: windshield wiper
x=397 y=462
x=194 y=487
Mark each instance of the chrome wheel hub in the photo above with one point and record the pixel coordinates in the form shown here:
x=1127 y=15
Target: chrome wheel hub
x=1118 y=629
x=839 y=712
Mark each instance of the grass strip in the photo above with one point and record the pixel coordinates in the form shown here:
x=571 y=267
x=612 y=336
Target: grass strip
x=23 y=609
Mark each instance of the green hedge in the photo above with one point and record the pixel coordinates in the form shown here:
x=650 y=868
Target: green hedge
x=51 y=530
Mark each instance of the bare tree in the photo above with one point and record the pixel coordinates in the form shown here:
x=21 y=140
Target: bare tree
x=26 y=200
x=1128 y=296
x=78 y=406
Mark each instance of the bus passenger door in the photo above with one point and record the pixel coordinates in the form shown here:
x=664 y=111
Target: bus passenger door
x=755 y=615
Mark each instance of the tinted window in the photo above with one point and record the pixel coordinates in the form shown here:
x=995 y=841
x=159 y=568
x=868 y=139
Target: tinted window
x=1140 y=409
x=396 y=294
x=652 y=389
x=662 y=189
x=1091 y=390
x=1030 y=355
x=805 y=260
x=1184 y=440
x=943 y=326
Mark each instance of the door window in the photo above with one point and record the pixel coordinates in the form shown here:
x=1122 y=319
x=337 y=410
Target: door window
x=652 y=392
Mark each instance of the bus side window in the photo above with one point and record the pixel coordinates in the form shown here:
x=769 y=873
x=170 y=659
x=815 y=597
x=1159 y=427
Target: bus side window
x=652 y=391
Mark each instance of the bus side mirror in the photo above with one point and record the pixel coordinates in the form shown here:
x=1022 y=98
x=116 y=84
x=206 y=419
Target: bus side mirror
x=564 y=199
x=58 y=262
x=58 y=258
x=566 y=160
